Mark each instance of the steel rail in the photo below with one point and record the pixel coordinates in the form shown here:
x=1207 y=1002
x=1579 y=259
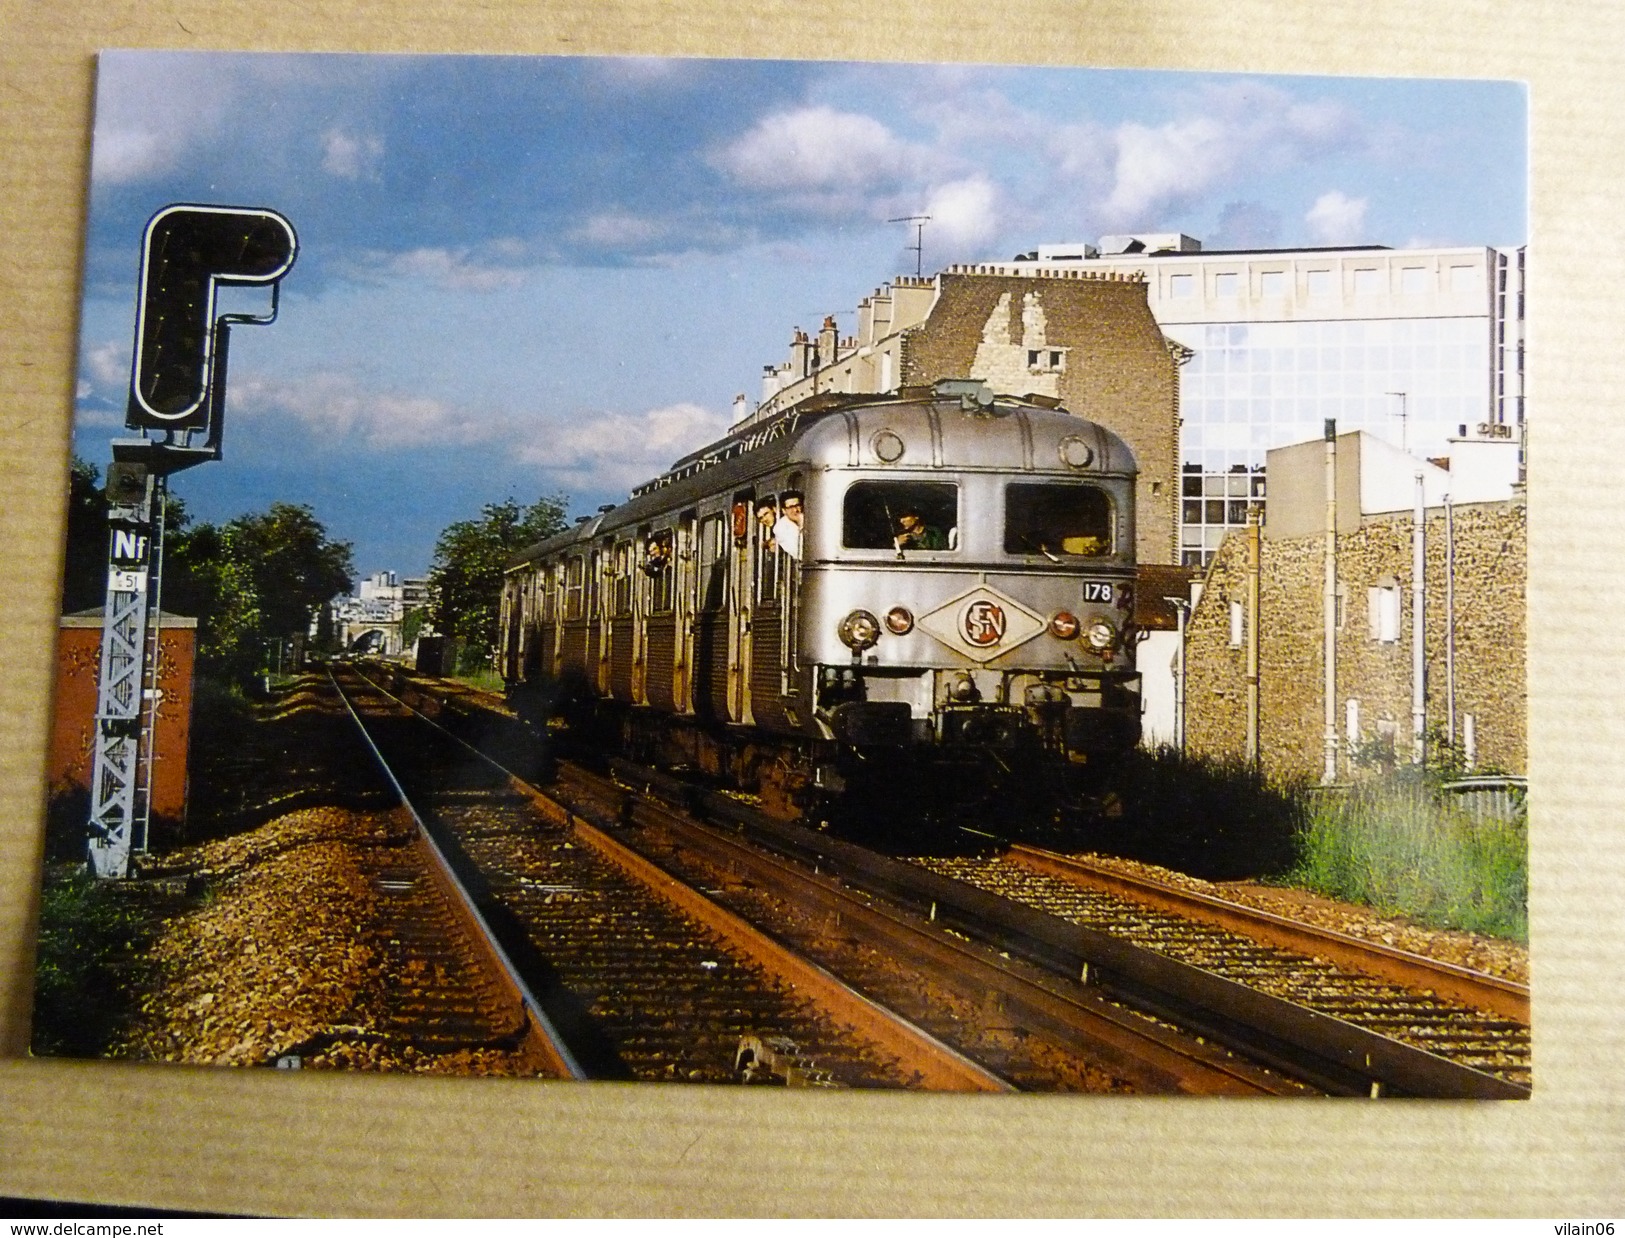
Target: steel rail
x=1503 y=997
x=1324 y=1049
x=1128 y=1043
x=552 y=1045
x=939 y=1066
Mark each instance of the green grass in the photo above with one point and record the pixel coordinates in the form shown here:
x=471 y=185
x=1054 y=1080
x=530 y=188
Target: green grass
x=485 y=679
x=1397 y=845
x=91 y=938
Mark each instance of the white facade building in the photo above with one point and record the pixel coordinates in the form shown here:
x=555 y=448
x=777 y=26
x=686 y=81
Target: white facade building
x=1422 y=348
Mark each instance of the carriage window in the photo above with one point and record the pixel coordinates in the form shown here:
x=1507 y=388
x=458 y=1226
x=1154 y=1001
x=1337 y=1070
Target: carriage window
x=908 y=515
x=574 y=577
x=713 y=562
x=621 y=600
x=1054 y=520
x=767 y=550
x=658 y=566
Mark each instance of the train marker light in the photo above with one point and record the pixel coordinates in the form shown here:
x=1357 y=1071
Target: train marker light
x=1100 y=635
x=859 y=630
x=899 y=621
x=1064 y=626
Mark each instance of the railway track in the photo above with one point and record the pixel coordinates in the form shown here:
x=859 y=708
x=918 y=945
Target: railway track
x=642 y=976
x=1321 y=1011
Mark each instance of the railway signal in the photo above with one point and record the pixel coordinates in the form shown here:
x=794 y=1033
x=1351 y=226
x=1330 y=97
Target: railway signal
x=177 y=401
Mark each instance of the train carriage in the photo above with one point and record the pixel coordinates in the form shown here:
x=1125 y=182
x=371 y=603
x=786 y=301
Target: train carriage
x=925 y=577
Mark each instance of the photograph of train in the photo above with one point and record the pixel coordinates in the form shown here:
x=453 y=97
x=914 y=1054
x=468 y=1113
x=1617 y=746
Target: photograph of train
x=793 y=574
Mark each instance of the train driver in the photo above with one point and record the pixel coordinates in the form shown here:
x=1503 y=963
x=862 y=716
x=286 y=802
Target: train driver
x=787 y=529
x=912 y=533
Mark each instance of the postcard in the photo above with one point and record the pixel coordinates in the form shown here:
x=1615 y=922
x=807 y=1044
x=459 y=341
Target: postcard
x=791 y=574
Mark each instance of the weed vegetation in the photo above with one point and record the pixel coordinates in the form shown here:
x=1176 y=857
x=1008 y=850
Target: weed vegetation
x=1397 y=844
x=92 y=937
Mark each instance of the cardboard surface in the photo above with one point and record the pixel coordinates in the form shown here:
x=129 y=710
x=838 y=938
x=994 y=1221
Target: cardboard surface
x=265 y=1142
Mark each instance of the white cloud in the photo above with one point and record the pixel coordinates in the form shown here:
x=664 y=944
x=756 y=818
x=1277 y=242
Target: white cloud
x=581 y=451
x=964 y=214
x=150 y=113
x=491 y=268
x=615 y=450
x=818 y=148
x=352 y=156
x=109 y=364
x=339 y=407
x=615 y=229
x=1243 y=129
x=1337 y=219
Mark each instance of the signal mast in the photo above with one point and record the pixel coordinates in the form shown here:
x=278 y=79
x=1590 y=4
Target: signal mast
x=177 y=402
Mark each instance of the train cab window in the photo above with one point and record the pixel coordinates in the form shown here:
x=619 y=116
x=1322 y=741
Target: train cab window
x=908 y=515
x=1054 y=520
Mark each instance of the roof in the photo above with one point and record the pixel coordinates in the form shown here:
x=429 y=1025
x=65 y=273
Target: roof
x=1156 y=583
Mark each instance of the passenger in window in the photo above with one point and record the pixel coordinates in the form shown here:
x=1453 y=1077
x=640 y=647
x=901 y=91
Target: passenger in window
x=787 y=529
x=659 y=554
x=912 y=533
x=766 y=516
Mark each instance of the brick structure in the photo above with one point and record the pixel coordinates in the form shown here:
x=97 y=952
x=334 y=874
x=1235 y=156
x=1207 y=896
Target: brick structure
x=1374 y=654
x=1087 y=340
x=73 y=734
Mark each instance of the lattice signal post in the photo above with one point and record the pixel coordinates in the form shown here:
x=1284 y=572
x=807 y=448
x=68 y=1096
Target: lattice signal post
x=177 y=401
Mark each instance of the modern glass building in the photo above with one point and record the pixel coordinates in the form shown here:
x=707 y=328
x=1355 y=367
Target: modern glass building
x=1418 y=347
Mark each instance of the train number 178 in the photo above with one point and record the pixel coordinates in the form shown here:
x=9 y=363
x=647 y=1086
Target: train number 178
x=1097 y=591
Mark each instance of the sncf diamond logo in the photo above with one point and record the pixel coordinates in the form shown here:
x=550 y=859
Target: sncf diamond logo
x=982 y=624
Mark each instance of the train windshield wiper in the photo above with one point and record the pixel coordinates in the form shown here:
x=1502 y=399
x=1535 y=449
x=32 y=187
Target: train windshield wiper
x=1040 y=547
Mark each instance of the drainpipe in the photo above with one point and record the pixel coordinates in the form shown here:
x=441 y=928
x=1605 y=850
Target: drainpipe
x=1418 y=618
x=1182 y=608
x=1450 y=618
x=1252 y=636
x=1329 y=605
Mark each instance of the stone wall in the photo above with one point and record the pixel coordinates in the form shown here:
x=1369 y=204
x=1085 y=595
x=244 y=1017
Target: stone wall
x=1490 y=632
x=1115 y=368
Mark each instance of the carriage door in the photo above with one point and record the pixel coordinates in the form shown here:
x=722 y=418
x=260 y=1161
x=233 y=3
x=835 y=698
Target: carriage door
x=739 y=607
x=602 y=605
x=686 y=605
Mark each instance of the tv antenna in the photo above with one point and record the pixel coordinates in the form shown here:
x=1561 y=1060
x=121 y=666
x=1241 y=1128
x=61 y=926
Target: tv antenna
x=919 y=222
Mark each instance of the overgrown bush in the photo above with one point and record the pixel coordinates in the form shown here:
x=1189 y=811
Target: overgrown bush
x=1398 y=845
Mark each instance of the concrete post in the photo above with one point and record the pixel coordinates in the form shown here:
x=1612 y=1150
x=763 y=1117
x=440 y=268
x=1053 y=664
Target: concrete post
x=1329 y=606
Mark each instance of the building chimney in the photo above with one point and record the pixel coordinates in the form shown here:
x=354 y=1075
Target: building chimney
x=800 y=355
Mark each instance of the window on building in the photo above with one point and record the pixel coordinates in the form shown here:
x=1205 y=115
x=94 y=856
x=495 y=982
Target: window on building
x=1056 y=519
x=1272 y=284
x=1227 y=284
x=1182 y=285
x=1466 y=279
x=1413 y=280
x=1367 y=282
x=1046 y=360
x=1320 y=283
x=875 y=514
x=1238 y=625
x=1383 y=605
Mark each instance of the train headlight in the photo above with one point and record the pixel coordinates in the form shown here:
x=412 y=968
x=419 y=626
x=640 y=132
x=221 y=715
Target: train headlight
x=899 y=621
x=859 y=630
x=1064 y=626
x=1100 y=635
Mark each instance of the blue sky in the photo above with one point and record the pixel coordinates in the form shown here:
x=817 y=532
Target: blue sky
x=525 y=275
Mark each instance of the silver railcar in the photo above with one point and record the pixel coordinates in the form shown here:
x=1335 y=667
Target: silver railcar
x=941 y=570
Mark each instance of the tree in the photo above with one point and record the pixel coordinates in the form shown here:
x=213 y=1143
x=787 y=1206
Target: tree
x=84 y=569
x=466 y=577
x=294 y=567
